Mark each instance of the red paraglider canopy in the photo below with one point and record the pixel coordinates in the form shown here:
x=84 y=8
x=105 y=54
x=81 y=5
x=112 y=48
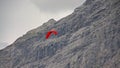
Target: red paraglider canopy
x=51 y=32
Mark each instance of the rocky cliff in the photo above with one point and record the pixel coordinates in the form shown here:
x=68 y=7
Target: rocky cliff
x=88 y=38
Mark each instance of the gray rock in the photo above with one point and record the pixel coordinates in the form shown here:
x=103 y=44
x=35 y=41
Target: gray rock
x=88 y=38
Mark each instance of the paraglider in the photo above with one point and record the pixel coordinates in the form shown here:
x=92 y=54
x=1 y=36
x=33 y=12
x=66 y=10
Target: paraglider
x=51 y=32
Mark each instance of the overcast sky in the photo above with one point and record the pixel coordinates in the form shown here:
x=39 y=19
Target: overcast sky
x=19 y=16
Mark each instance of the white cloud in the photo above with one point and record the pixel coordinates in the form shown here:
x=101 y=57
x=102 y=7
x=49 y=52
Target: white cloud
x=57 y=5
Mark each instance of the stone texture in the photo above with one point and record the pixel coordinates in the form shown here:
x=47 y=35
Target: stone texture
x=88 y=38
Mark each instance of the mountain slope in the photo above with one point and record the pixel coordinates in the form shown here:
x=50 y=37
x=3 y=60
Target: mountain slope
x=3 y=45
x=88 y=38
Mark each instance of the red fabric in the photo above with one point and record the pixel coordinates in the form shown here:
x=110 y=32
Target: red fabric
x=51 y=32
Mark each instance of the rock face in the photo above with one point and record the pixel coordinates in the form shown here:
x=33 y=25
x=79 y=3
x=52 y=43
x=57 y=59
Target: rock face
x=88 y=38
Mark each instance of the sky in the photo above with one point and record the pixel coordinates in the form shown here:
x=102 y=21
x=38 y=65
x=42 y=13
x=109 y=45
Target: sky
x=19 y=16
